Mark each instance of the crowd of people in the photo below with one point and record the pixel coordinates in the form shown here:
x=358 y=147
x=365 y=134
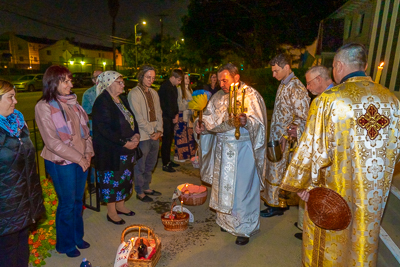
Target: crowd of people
x=344 y=140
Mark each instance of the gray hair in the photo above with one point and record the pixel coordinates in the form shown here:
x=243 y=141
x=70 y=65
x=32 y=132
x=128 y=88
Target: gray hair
x=233 y=70
x=353 y=54
x=321 y=70
x=143 y=70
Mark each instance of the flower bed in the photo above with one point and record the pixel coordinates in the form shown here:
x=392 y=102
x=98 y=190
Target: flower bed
x=43 y=239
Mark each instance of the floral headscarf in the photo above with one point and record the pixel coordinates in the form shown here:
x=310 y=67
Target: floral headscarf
x=105 y=79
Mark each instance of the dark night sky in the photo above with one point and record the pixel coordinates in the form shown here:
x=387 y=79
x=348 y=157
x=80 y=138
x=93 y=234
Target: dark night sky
x=90 y=16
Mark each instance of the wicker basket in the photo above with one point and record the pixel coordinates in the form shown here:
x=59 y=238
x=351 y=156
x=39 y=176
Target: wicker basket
x=192 y=199
x=150 y=235
x=328 y=210
x=175 y=224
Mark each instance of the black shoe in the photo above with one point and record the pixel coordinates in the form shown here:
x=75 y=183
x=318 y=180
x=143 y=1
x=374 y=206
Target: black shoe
x=144 y=199
x=153 y=193
x=297 y=225
x=223 y=230
x=74 y=253
x=168 y=168
x=131 y=213
x=266 y=205
x=271 y=211
x=114 y=222
x=173 y=164
x=299 y=236
x=241 y=241
x=84 y=245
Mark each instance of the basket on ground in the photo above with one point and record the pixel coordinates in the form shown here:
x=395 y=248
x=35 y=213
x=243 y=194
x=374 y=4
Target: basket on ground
x=193 y=195
x=151 y=236
x=328 y=210
x=176 y=223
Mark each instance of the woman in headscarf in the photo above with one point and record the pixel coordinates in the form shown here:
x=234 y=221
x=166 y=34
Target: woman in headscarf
x=115 y=138
x=184 y=140
x=68 y=150
x=21 y=201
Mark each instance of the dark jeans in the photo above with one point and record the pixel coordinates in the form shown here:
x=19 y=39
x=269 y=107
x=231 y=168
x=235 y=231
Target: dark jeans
x=168 y=136
x=14 y=249
x=145 y=165
x=69 y=182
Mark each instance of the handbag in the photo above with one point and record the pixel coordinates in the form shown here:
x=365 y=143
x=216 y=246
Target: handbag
x=137 y=154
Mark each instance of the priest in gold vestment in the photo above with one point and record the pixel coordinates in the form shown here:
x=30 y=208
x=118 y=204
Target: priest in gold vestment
x=290 y=111
x=350 y=145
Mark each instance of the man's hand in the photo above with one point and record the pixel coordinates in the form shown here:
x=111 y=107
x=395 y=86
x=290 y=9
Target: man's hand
x=136 y=139
x=199 y=128
x=304 y=195
x=292 y=130
x=282 y=142
x=175 y=120
x=243 y=119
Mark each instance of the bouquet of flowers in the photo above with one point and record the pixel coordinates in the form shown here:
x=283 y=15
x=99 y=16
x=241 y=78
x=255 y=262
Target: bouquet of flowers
x=199 y=102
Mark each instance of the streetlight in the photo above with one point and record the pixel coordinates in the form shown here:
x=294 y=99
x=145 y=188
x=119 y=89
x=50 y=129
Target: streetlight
x=144 y=23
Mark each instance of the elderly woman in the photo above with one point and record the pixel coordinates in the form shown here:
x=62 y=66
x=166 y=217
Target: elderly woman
x=212 y=84
x=145 y=104
x=68 y=150
x=21 y=202
x=115 y=139
x=184 y=140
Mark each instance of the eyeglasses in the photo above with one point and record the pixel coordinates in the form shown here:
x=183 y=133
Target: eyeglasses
x=120 y=82
x=150 y=77
x=308 y=83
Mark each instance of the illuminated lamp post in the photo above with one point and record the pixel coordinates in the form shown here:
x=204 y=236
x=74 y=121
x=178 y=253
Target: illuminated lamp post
x=136 y=42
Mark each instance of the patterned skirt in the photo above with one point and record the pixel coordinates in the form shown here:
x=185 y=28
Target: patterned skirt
x=184 y=140
x=116 y=185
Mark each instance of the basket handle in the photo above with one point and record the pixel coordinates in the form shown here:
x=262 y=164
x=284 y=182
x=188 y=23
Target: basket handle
x=136 y=226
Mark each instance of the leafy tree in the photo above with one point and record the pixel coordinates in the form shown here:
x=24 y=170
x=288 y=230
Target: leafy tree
x=252 y=29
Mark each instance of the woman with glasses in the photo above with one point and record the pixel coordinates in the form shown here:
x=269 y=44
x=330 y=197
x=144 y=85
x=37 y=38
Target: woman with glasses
x=145 y=104
x=67 y=153
x=115 y=138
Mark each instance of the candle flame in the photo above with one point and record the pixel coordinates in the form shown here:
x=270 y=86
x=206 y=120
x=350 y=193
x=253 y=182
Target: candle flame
x=232 y=84
x=236 y=84
x=181 y=201
x=382 y=63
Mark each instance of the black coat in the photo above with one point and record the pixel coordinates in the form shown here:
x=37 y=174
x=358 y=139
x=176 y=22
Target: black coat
x=21 y=201
x=110 y=132
x=168 y=100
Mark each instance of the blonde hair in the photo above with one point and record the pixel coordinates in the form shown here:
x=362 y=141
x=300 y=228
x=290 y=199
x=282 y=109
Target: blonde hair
x=5 y=87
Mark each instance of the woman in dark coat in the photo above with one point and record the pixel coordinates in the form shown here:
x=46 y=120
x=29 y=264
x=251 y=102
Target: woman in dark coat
x=115 y=138
x=21 y=202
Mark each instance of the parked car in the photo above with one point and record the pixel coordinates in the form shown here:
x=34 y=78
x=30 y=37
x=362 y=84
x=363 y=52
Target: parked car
x=81 y=79
x=31 y=82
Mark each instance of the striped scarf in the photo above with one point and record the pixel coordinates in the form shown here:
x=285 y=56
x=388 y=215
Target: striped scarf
x=63 y=122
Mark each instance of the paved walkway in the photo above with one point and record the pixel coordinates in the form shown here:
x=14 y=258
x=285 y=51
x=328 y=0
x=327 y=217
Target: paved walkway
x=202 y=244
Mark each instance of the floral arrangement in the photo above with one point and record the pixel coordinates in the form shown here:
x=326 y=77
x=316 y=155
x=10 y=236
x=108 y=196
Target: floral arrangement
x=43 y=238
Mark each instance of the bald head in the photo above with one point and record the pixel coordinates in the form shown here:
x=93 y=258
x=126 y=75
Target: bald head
x=349 y=58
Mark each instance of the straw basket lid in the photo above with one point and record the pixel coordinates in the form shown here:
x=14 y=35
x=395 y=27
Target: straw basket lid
x=328 y=210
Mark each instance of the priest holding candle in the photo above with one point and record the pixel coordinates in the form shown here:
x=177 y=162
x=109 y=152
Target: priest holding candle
x=234 y=167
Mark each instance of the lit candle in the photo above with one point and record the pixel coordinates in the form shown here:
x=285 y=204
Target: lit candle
x=181 y=206
x=230 y=99
x=379 y=73
x=243 y=94
x=235 y=99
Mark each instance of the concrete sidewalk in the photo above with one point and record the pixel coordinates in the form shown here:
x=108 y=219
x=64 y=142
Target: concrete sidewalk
x=202 y=244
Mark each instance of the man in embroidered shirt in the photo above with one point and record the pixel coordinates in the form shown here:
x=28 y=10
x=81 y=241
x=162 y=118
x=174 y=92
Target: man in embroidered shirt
x=290 y=110
x=350 y=145
x=145 y=105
